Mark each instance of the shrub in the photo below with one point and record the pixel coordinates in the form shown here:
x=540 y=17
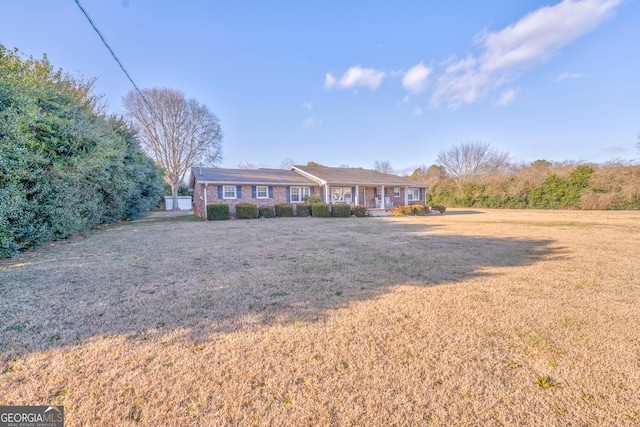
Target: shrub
x=284 y=209
x=220 y=211
x=341 y=211
x=266 y=212
x=246 y=211
x=320 y=209
x=303 y=209
x=440 y=208
x=314 y=198
x=417 y=209
x=359 y=211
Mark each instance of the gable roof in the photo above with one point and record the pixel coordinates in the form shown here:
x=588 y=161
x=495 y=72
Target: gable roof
x=350 y=176
x=247 y=176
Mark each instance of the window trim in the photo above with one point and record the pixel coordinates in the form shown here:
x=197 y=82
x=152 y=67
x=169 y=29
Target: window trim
x=224 y=192
x=300 y=194
x=266 y=191
x=396 y=192
x=411 y=192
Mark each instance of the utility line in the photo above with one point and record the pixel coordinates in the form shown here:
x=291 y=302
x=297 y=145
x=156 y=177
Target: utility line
x=112 y=52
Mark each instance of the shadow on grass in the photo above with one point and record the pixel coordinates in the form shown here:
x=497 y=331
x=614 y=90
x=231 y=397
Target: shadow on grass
x=164 y=274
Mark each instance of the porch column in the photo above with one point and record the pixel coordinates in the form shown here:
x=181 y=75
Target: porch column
x=204 y=189
x=357 y=199
x=326 y=194
x=382 y=202
x=406 y=195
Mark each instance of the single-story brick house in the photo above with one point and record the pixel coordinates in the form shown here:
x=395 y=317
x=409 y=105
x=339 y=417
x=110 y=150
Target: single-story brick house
x=268 y=187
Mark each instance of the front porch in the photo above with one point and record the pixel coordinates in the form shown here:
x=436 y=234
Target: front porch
x=378 y=198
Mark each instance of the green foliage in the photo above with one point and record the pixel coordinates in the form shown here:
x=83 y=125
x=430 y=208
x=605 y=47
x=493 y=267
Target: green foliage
x=284 y=210
x=313 y=198
x=65 y=167
x=266 y=212
x=218 y=211
x=303 y=209
x=246 y=211
x=359 y=211
x=320 y=209
x=341 y=211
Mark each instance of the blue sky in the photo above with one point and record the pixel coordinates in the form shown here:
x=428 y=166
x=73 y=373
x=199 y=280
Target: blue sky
x=348 y=83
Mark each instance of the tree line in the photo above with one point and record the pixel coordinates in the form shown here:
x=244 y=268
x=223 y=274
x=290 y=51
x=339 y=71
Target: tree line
x=65 y=165
x=474 y=175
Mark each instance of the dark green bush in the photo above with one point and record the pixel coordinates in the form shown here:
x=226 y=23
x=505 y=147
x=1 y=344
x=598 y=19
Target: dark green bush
x=246 y=211
x=439 y=208
x=284 y=209
x=359 y=211
x=320 y=209
x=266 y=212
x=341 y=211
x=303 y=209
x=65 y=167
x=220 y=211
x=313 y=198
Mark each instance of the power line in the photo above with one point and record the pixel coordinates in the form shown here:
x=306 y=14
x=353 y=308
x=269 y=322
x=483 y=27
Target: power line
x=112 y=52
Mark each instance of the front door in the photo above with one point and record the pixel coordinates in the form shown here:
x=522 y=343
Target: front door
x=362 y=198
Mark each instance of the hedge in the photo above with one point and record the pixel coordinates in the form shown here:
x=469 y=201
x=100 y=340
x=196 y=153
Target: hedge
x=220 y=211
x=266 y=212
x=359 y=211
x=246 y=211
x=320 y=209
x=284 y=209
x=303 y=209
x=341 y=211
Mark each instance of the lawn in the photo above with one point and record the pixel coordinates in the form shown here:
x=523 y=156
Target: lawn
x=475 y=317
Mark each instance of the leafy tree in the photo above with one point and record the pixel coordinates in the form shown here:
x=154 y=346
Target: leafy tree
x=314 y=164
x=468 y=162
x=176 y=132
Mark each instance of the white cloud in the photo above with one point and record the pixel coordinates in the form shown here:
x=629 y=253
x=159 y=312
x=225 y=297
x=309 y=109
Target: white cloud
x=517 y=48
x=417 y=111
x=416 y=78
x=311 y=121
x=567 y=76
x=356 y=76
x=308 y=105
x=507 y=97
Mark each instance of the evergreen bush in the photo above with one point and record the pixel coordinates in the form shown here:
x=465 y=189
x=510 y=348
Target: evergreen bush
x=303 y=209
x=219 y=211
x=266 y=212
x=246 y=211
x=284 y=210
x=320 y=209
x=341 y=211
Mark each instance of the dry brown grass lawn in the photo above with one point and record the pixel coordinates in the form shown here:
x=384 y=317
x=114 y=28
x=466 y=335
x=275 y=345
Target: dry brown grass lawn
x=471 y=318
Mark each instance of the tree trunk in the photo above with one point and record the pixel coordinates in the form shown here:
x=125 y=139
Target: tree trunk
x=174 y=192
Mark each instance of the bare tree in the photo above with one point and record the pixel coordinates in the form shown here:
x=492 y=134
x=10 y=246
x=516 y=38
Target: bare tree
x=468 y=162
x=176 y=132
x=286 y=163
x=248 y=165
x=383 y=166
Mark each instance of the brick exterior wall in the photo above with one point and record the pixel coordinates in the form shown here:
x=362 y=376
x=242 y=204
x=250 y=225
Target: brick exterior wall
x=279 y=196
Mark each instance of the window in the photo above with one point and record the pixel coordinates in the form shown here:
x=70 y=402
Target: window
x=298 y=194
x=340 y=194
x=262 y=192
x=396 y=192
x=413 y=194
x=229 y=192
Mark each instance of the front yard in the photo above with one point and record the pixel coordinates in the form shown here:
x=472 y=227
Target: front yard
x=483 y=317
